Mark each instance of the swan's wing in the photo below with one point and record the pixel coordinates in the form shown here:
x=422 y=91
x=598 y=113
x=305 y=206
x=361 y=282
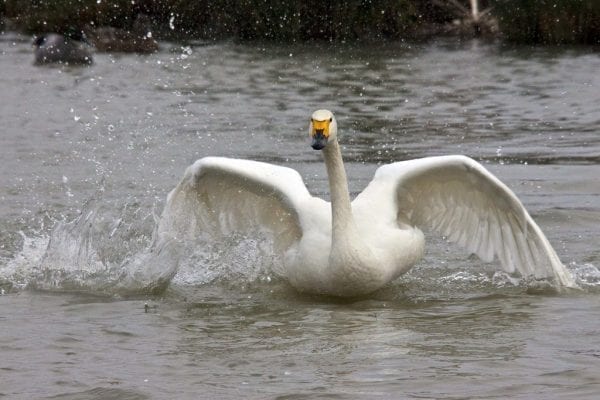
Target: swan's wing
x=217 y=196
x=457 y=197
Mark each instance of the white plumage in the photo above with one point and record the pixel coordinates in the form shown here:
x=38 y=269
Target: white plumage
x=346 y=248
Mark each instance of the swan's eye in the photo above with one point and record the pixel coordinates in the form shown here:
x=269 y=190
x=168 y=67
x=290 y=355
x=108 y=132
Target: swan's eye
x=331 y=119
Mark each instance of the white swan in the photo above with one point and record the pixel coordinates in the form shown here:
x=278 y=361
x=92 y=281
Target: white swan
x=351 y=248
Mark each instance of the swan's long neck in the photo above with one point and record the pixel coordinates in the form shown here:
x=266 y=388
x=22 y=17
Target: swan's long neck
x=341 y=210
x=352 y=264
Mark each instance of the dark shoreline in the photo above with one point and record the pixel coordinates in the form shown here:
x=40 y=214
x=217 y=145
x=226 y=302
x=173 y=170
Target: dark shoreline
x=522 y=21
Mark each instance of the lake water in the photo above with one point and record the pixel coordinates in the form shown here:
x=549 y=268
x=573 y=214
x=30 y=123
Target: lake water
x=88 y=156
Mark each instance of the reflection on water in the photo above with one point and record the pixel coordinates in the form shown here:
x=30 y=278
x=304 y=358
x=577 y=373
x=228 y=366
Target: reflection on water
x=106 y=144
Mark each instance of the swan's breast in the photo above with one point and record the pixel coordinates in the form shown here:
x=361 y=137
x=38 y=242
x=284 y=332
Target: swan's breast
x=306 y=261
x=395 y=247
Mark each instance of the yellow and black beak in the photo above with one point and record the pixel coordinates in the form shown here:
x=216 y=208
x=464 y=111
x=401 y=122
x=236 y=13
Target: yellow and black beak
x=319 y=134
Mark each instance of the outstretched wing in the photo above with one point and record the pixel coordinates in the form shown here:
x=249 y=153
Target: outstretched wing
x=218 y=196
x=457 y=197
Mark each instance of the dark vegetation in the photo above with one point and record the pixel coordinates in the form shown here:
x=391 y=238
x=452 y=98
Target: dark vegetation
x=523 y=21
x=549 y=22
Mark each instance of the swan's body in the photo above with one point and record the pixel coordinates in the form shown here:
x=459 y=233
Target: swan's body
x=350 y=248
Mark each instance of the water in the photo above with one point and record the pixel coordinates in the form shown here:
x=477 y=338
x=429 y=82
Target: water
x=89 y=155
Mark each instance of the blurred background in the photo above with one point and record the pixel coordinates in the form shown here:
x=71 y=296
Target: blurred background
x=519 y=21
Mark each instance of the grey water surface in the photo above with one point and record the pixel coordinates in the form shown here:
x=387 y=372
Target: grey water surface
x=88 y=156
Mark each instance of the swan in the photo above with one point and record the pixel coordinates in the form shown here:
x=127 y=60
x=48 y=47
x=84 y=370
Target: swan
x=350 y=248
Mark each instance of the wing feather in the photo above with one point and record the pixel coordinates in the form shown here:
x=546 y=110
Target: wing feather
x=459 y=198
x=218 y=196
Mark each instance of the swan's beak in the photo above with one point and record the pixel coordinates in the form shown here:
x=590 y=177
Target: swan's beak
x=319 y=134
x=319 y=141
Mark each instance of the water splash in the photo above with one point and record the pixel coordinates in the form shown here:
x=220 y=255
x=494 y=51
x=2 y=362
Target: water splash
x=237 y=259
x=95 y=251
x=428 y=280
x=586 y=275
x=19 y=271
x=98 y=251
x=113 y=250
x=119 y=250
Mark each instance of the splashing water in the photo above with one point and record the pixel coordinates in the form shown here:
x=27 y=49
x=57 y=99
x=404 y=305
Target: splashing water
x=122 y=253
x=97 y=251
x=104 y=251
x=236 y=259
x=127 y=250
x=586 y=275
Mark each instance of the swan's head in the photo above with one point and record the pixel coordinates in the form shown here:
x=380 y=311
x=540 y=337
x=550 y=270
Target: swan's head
x=323 y=128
